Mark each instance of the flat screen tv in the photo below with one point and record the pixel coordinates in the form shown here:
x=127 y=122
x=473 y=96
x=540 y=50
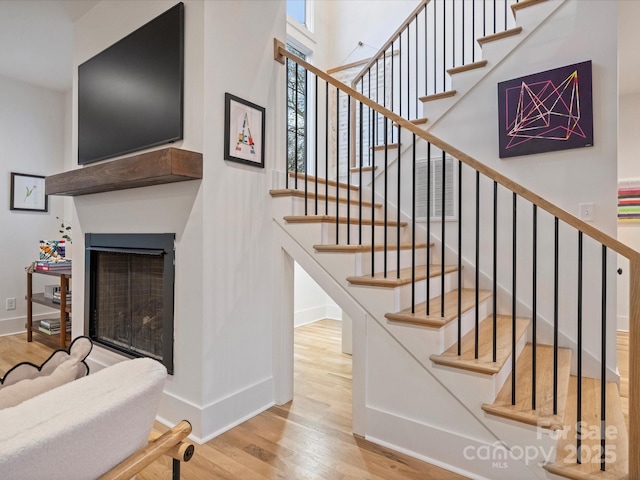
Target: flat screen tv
x=130 y=96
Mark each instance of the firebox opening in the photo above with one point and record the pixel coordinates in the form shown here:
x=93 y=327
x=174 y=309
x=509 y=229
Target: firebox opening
x=130 y=287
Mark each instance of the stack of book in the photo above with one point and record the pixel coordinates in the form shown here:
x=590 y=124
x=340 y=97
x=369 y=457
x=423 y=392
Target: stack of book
x=52 y=327
x=45 y=266
x=57 y=296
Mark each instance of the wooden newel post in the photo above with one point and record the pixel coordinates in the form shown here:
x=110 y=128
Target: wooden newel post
x=634 y=367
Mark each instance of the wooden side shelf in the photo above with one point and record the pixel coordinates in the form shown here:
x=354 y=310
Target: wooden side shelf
x=167 y=165
x=63 y=307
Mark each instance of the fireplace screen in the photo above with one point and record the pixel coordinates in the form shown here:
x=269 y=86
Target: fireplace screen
x=131 y=300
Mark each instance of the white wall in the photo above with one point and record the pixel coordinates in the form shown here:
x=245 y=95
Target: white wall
x=32 y=133
x=238 y=232
x=628 y=168
x=165 y=208
x=341 y=24
x=311 y=302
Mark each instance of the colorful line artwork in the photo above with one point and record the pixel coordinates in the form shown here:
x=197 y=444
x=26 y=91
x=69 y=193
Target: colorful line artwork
x=629 y=200
x=546 y=111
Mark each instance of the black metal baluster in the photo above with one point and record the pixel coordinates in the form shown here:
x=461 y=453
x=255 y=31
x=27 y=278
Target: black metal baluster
x=555 y=317
x=316 y=149
x=459 y=257
x=286 y=170
x=374 y=128
x=513 y=305
x=444 y=46
x=495 y=271
x=494 y=17
x=477 y=270
x=453 y=34
x=429 y=190
x=426 y=56
x=603 y=363
x=435 y=55
x=398 y=208
x=462 y=43
x=295 y=139
x=416 y=69
x=399 y=77
x=348 y=170
x=579 y=359
x=443 y=243
x=473 y=31
x=534 y=307
x=326 y=147
x=361 y=161
x=391 y=87
x=304 y=153
x=386 y=190
x=413 y=227
x=484 y=19
x=338 y=167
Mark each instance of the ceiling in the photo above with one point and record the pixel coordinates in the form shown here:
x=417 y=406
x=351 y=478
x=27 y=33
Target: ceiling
x=36 y=41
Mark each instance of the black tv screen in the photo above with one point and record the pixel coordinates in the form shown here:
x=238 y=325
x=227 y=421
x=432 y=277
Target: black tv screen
x=130 y=96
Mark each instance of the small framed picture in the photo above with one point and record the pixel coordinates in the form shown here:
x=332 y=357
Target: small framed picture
x=27 y=193
x=243 y=131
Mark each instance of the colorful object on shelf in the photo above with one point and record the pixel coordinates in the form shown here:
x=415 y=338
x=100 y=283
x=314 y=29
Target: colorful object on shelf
x=52 y=250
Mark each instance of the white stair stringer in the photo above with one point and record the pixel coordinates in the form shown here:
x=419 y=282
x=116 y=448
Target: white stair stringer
x=494 y=52
x=479 y=434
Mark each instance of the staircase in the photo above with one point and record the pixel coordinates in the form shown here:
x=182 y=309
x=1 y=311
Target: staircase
x=540 y=404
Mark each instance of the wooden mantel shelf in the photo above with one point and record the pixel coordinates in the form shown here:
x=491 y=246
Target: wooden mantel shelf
x=167 y=165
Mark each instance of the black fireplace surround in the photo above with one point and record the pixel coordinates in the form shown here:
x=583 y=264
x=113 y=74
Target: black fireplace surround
x=129 y=288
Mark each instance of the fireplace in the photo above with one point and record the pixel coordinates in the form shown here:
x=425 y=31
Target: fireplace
x=129 y=288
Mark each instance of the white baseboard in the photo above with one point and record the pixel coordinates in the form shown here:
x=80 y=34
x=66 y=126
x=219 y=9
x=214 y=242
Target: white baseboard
x=313 y=314
x=623 y=323
x=459 y=454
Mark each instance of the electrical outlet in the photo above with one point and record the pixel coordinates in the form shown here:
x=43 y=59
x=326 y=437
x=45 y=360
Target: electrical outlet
x=11 y=303
x=587 y=212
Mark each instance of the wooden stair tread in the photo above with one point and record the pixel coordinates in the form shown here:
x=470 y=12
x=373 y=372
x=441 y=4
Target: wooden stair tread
x=438 y=96
x=392 y=280
x=484 y=363
x=543 y=415
x=312 y=179
x=467 y=67
x=292 y=192
x=497 y=36
x=365 y=168
x=341 y=220
x=522 y=4
x=420 y=121
x=564 y=464
x=379 y=148
x=420 y=317
x=364 y=248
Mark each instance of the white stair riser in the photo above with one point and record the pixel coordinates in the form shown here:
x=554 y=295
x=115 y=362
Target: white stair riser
x=402 y=297
x=330 y=190
x=363 y=260
x=329 y=234
x=450 y=331
x=504 y=372
x=356 y=179
x=298 y=205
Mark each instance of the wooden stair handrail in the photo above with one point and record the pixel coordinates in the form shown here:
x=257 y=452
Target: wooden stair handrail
x=280 y=53
x=389 y=42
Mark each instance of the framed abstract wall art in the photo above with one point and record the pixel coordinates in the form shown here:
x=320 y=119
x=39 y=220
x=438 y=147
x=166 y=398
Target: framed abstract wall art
x=546 y=111
x=629 y=200
x=27 y=193
x=243 y=131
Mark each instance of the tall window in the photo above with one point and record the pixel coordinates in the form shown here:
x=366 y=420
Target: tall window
x=296 y=9
x=296 y=113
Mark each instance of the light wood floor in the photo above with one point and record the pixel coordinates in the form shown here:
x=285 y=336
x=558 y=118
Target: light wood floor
x=307 y=439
